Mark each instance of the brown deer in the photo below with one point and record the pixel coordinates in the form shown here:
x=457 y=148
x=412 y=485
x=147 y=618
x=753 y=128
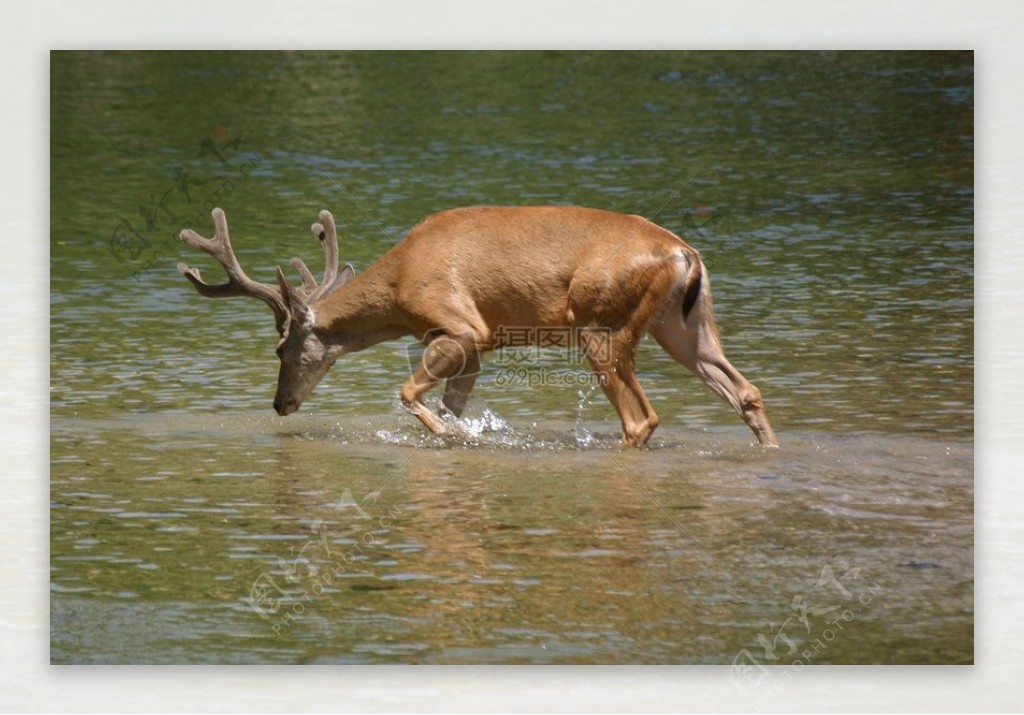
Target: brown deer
x=463 y=276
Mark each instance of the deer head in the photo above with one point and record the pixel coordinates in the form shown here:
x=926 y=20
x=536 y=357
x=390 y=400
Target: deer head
x=306 y=353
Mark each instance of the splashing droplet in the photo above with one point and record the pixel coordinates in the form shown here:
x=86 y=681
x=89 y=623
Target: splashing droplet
x=584 y=437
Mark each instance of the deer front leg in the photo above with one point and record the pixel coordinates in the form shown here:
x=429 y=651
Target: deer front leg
x=444 y=358
x=458 y=387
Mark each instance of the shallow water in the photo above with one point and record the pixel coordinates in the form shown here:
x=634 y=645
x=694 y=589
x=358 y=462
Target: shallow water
x=363 y=541
x=832 y=198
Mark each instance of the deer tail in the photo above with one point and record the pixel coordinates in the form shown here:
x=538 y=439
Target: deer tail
x=694 y=284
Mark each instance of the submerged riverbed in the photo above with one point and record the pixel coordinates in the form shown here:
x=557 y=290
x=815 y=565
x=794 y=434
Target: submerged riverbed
x=831 y=196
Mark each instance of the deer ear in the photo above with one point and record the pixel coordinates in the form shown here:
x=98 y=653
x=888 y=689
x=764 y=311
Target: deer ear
x=347 y=273
x=293 y=301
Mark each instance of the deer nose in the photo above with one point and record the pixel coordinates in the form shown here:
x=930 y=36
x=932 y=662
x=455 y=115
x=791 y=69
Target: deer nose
x=285 y=407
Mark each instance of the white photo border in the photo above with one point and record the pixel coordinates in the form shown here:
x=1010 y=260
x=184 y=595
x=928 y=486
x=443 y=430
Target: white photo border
x=994 y=30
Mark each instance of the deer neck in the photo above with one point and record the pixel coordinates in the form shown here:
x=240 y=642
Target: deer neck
x=362 y=312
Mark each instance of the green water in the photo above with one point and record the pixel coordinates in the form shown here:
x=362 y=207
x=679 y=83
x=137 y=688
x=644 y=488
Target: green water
x=832 y=198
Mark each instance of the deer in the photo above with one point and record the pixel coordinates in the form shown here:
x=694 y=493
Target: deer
x=461 y=276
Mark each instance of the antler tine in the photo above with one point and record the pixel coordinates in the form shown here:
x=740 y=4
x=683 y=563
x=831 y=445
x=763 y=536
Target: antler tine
x=308 y=281
x=327 y=233
x=239 y=284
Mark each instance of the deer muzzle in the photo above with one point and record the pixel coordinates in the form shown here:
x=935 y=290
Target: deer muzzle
x=285 y=407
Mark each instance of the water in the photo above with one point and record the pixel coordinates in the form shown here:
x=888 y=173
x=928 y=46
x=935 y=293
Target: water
x=832 y=198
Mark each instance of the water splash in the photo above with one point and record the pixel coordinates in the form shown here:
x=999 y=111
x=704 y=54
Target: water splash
x=488 y=421
x=483 y=427
x=584 y=437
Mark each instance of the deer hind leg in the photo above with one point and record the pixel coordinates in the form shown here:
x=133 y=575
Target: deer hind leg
x=693 y=343
x=611 y=356
x=445 y=357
